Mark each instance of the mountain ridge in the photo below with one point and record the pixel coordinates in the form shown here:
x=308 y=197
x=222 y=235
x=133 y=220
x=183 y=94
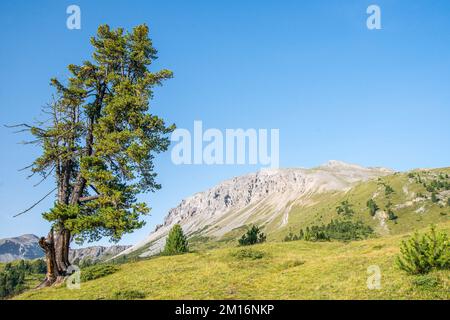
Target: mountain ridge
x=262 y=197
x=26 y=247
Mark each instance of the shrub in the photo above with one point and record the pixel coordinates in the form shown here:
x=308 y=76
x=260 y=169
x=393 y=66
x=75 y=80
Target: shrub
x=422 y=253
x=434 y=197
x=176 y=242
x=345 y=209
x=373 y=207
x=12 y=281
x=248 y=254
x=97 y=271
x=38 y=266
x=291 y=237
x=388 y=190
x=341 y=229
x=316 y=233
x=391 y=215
x=252 y=236
x=129 y=295
x=426 y=282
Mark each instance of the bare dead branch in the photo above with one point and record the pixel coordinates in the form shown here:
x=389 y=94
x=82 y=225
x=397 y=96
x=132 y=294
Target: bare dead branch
x=45 y=176
x=36 y=203
x=27 y=167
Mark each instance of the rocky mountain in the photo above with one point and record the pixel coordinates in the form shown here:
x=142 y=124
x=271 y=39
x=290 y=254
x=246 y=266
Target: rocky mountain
x=265 y=198
x=26 y=247
x=95 y=253
x=23 y=247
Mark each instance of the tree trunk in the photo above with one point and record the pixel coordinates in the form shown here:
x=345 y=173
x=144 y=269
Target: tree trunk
x=56 y=248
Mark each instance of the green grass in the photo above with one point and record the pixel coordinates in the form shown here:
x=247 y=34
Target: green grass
x=273 y=270
x=323 y=206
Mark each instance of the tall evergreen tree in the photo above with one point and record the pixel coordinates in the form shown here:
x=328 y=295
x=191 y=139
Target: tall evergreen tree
x=176 y=241
x=99 y=144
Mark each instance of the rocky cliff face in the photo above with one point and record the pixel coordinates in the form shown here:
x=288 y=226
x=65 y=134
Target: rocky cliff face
x=260 y=197
x=95 y=253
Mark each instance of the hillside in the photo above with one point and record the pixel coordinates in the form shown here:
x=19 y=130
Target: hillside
x=276 y=270
x=286 y=200
x=283 y=203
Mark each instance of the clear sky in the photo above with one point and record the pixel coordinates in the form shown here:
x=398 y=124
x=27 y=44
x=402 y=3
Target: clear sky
x=312 y=69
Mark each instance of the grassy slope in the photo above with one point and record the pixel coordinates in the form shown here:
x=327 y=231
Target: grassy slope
x=324 y=207
x=292 y=270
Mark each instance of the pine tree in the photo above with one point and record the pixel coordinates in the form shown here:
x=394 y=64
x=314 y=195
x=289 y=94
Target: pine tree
x=421 y=253
x=176 y=242
x=99 y=144
x=252 y=236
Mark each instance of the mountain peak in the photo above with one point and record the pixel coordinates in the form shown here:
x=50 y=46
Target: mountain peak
x=265 y=197
x=337 y=164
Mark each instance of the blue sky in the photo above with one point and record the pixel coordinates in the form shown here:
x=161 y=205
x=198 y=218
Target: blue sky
x=335 y=89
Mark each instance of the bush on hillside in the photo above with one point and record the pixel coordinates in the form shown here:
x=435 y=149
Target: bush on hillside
x=426 y=282
x=12 y=277
x=252 y=236
x=12 y=281
x=373 y=207
x=388 y=190
x=434 y=197
x=38 y=266
x=248 y=254
x=422 y=253
x=291 y=237
x=176 y=242
x=391 y=215
x=345 y=209
x=97 y=271
x=340 y=229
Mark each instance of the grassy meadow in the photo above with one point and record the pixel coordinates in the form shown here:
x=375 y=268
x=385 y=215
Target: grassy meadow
x=273 y=270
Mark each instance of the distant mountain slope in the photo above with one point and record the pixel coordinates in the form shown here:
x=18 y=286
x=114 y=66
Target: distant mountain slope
x=26 y=247
x=265 y=198
x=23 y=247
x=95 y=253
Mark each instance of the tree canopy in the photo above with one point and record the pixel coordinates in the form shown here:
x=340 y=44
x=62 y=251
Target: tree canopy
x=100 y=140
